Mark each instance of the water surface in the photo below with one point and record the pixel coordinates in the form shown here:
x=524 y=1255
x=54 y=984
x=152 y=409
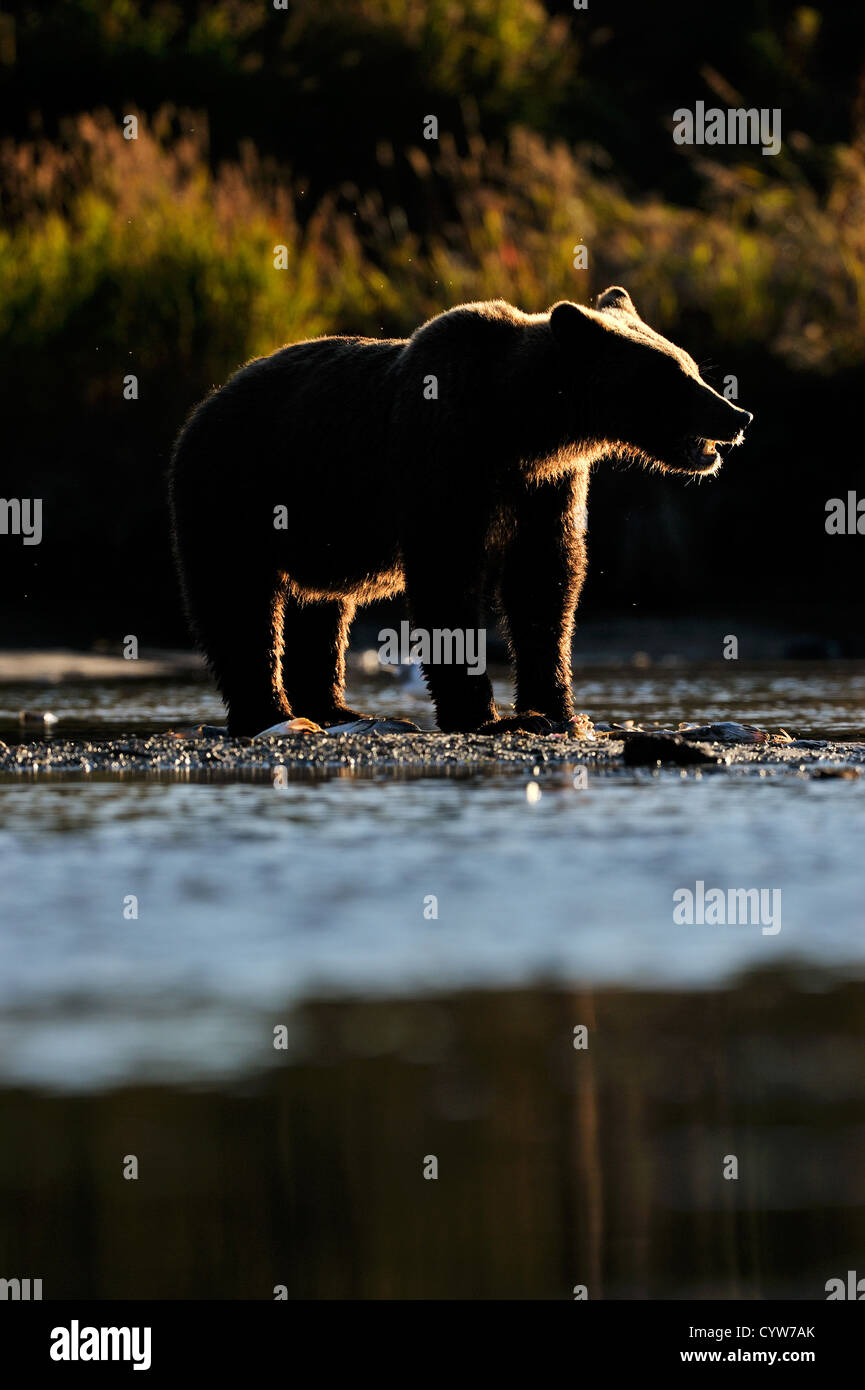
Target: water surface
x=248 y=895
x=428 y=943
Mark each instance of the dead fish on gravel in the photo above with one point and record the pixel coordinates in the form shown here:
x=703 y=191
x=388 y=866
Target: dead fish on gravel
x=647 y=750
x=368 y=725
x=291 y=726
x=726 y=732
x=371 y=725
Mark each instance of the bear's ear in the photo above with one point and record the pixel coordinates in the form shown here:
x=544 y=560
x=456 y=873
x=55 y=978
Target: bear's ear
x=571 y=323
x=617 y=298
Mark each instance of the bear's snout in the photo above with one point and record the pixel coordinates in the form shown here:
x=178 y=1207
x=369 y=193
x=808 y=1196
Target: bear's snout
x=719 y=419
x=742 y=420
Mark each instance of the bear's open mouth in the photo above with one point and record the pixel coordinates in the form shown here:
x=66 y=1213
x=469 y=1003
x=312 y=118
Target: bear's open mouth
x=703 y=455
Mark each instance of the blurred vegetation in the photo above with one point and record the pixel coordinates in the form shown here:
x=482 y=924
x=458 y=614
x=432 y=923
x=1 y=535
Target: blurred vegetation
x=304 y=128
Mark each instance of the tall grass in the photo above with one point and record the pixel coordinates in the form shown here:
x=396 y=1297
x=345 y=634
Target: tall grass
x=137 y=248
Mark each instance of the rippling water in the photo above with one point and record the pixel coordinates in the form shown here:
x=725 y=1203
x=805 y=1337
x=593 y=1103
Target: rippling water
x=248 y=896
x=424 y=946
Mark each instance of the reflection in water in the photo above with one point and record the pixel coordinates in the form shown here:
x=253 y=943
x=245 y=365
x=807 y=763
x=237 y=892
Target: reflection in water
x=557 y=1167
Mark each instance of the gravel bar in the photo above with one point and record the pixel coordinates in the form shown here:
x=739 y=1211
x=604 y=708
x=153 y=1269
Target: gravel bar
x=651 y=750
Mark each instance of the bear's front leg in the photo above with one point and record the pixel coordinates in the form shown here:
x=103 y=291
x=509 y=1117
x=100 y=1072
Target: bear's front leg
x=542 y=575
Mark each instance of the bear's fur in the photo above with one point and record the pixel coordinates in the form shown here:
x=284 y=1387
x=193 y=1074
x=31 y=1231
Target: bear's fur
x=446 y=490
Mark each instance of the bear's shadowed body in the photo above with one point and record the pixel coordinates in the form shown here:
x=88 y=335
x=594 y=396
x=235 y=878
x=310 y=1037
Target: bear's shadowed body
x=384 y=489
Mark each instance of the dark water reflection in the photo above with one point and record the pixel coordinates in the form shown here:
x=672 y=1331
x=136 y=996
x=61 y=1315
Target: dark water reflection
x=556 y=1167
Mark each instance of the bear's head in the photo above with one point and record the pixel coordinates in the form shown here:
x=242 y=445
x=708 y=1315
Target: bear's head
x=641 y=394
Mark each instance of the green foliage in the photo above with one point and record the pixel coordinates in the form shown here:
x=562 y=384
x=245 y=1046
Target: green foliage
x=163 y=247
x=117 y=245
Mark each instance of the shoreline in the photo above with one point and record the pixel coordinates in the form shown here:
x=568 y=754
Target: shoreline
x=625 y=752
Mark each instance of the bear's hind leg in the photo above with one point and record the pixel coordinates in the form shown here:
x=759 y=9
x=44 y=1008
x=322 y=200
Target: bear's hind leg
x=238 y=625
x=315 y=636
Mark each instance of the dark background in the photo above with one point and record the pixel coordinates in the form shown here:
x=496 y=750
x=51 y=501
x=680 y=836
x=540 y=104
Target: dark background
x=305 y=128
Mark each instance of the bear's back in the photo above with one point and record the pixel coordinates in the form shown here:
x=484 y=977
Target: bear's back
x=296 y=410
x=339 y=383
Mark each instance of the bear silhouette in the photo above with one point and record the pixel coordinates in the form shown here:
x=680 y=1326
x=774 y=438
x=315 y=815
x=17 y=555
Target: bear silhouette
x=448 y=464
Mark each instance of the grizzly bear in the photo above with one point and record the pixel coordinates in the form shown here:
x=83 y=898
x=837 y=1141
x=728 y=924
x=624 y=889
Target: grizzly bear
x=449 y=465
